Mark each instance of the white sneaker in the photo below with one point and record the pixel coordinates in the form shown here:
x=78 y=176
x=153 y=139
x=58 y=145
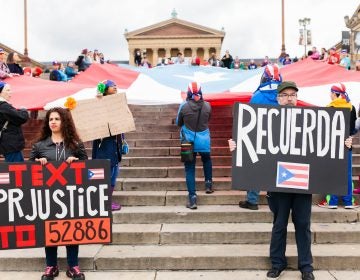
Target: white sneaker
x=353 y=206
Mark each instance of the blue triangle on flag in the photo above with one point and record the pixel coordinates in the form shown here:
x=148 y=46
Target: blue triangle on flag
x=90 y=174
x=283 y=174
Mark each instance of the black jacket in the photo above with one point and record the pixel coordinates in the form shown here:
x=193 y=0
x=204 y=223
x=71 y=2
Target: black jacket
x=47 y=149
x=15 y=68
x=12 y=138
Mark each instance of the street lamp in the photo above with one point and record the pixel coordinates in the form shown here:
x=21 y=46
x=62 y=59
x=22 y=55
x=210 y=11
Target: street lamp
x=304 y=22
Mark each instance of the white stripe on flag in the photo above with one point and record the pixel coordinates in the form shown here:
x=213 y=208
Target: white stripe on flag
x=97 y=174
x=4 y=178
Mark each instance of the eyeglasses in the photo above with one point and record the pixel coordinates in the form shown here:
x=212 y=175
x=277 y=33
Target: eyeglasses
x=287 y=95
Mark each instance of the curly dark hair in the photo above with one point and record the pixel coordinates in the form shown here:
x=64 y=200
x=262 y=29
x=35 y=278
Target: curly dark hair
x=68 y=130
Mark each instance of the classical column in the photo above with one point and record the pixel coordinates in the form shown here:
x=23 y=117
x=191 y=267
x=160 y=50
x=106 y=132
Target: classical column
x=131 y=56
x=182 y=50
x=155 y=56
x=218 y=52
x=208 y=54
x=193 y=52
x=167 y=52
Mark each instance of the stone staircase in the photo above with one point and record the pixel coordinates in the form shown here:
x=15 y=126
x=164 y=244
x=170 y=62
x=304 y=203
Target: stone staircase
x=156 y=237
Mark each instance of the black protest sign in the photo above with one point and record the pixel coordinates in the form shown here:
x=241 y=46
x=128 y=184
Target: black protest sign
x=290 y=149
x=55 y=204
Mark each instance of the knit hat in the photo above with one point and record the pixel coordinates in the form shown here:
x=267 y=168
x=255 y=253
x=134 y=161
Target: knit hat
x=2 y=85
x=340 y=89
x=271 y=73
x=194 y=88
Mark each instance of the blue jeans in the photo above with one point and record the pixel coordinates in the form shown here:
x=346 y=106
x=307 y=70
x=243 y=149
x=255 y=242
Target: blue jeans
x=190 y=171
x=72 y=252
x=114 y=173
x=347 y=199
x=300 y=205
x=252 y=197
x=14 y=157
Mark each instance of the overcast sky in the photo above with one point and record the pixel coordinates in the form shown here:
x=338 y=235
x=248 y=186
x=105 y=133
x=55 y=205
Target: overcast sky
x=60 y=29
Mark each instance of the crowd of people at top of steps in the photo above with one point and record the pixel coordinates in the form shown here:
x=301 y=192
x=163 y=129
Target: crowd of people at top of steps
x=330 y=56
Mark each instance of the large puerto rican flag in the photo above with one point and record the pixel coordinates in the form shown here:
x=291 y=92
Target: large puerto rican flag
x=167 y=84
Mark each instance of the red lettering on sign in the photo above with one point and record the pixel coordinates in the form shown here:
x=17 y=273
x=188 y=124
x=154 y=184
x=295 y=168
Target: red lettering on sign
x=20 y=231
x=78 y=166
x=18 y=169
x=36 y=175
x=56 y=174
x=4 y=231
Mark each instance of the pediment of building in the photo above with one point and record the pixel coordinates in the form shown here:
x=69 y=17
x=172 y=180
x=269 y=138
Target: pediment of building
x=174 y=27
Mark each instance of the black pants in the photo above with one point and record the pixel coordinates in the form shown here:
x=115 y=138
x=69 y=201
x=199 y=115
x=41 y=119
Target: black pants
x=72 y=252
x=300 y=205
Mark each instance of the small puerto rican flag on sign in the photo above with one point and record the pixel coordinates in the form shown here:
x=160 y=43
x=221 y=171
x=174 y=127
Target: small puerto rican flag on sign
x=292 y=175
x=4 y=178
x=96 y=174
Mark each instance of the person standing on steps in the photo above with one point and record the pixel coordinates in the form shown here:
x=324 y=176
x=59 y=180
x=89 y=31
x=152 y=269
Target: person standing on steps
x=109 y=147
x=281 y=204
x=193 y=118
x=59 y=141
x=266 y=93
x=12 y=140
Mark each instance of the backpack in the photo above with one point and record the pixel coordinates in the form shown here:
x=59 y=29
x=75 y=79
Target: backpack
x=55 y=76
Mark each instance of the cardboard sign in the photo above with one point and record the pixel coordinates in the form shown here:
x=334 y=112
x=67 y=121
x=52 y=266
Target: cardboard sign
x=97 y=118
x=55 y=204
x=290 y=149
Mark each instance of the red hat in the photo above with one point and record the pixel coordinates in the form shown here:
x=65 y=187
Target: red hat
x=272 y=71
x=194 y=88
x=340 y=89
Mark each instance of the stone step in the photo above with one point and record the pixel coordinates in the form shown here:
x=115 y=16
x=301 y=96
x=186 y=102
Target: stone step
x=227 y=233
x=171 y=198
x=161 y=120
x=89 y=274
x=170 y=161
x=184 y=257
x=171 y=172
x=181 y=275
x=150 y=152
x=221 y=214
x=220 y=257
x=161 y=184
x=174 y=128
x=221 y=142
x=174 y=184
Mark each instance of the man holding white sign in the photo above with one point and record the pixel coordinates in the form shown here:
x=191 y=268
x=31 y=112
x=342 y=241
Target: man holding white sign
x=281 y=203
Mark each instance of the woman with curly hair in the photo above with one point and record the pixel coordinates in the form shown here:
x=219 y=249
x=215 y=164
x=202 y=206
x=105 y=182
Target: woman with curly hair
x=59 y=141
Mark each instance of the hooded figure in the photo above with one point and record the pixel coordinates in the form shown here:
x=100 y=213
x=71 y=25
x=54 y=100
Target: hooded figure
x=193 y=118
x=267 y=91
x=340 y=99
